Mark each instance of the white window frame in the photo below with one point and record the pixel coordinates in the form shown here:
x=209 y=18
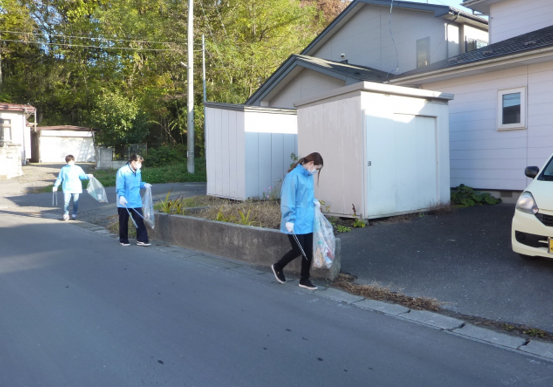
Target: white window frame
x=6 y=128
x=516 y=126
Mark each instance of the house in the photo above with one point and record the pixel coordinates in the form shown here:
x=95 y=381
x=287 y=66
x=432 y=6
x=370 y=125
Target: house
x=15 y=138
x=52 y=143
x=501 y=119
x=366 y=45
x=372 y=40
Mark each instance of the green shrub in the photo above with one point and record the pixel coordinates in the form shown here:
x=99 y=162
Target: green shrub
x=165 y=155
x=465 y=196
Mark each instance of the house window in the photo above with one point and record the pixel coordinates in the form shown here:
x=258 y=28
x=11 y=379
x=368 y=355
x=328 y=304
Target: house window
x=474 y=44
x=5 y=131
x=511 y=109
x=423 y=52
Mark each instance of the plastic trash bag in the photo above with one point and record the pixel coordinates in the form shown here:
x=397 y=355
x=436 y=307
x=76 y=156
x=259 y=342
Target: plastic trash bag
x=148 y=208
x=324 y=242
x=96 y=190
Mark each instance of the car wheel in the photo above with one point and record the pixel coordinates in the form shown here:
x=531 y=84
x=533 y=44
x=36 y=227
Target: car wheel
x=528 y=257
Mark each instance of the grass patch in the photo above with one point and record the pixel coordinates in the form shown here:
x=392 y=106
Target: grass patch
x=172 y=173
x=380 y=293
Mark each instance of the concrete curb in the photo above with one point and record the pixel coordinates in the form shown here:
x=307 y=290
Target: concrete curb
x=447 y=324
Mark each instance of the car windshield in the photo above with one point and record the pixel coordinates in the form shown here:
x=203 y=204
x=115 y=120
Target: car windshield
x=547 y=173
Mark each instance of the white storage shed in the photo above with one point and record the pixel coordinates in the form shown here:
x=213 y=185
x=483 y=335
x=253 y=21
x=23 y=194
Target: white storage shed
x=248 y=149
x=385 y=148
x=52 y=143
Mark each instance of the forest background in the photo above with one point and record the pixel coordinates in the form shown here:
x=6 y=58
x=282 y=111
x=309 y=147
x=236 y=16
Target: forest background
x=116 y=65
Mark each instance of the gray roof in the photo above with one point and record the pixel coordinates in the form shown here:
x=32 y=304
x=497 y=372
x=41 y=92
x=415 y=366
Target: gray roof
x=525 y=43
x=360 y=73
x=347 y=72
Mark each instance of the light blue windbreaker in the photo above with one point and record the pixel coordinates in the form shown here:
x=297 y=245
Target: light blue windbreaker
x=70 y=177
x=128 y=183
x=296 y=201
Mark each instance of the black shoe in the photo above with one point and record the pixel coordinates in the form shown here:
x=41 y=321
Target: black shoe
x=306 y=284
x=279 y=275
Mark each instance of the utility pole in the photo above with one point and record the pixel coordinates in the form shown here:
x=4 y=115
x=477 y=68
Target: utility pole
x=190 y=103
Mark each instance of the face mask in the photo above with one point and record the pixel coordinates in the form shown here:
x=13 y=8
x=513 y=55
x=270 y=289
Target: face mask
x=138 y=166
x=313 y=171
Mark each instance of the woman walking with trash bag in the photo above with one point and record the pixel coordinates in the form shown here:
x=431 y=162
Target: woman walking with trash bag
x=128 y=184
x=297 y=205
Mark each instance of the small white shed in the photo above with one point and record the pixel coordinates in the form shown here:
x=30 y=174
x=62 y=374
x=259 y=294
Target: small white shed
x=248 y=149
x=52 y=143
x=385 y=148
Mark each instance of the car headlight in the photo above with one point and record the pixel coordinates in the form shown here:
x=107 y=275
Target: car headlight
x=526 y=203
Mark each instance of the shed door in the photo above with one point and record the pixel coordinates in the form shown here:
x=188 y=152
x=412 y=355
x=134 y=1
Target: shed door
x=402 y=170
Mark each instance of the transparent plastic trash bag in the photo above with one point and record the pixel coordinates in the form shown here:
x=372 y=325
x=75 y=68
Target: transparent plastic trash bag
x=96 y=190
x=324 y=242
x=148 y=208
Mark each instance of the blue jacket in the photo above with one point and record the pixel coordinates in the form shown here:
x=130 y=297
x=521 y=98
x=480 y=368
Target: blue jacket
x=70 y=177
x=296 y=201
x=128 y=183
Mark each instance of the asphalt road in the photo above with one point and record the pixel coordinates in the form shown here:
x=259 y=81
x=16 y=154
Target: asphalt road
x=77 y=309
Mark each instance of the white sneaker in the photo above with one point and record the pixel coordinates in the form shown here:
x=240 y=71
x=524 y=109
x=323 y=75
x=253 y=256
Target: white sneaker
x=143 y=244
x=65 y=217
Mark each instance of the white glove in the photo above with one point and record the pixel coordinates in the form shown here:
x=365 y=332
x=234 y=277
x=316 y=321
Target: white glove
x=290 y=227
x=317 y=204
x=122 y=201
x=89 y=175
x=55 y=189
x=147 y=185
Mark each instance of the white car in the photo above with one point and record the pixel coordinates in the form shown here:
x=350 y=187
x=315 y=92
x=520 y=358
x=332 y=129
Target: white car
x=532 y=227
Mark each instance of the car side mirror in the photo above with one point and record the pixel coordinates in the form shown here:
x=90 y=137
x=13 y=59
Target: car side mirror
x=531 y=172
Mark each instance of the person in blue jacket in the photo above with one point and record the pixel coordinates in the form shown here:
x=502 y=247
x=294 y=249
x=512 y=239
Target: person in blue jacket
x=297 y=205
x=70 y=177
x=128 y=183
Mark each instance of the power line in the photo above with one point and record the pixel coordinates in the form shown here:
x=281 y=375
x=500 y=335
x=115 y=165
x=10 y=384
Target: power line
x=87 y=46
x=91 y=38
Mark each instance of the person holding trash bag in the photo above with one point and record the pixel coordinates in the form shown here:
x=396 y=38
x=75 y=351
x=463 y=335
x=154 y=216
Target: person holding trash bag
x=297 y=205
x=128 y=184
x=70 y=177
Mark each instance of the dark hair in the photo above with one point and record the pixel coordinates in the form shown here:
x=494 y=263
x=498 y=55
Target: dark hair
x=136 y=157
x=315 y=157
x=68 y=158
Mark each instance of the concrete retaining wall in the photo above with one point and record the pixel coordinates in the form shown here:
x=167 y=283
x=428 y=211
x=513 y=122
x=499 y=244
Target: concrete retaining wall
x=254 y=245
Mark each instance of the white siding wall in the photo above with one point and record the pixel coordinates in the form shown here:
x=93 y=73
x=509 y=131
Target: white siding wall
x=483 y=157
x=516 y=17
x=366 y=39
x=246 y=151
x=56 y=144
x=20 y=134
x=270 y=140
x=306 y=84
x=225 y=153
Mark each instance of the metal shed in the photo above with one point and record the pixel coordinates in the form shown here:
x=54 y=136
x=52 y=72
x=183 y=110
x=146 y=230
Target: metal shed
x=248 y=149
x=386 y=148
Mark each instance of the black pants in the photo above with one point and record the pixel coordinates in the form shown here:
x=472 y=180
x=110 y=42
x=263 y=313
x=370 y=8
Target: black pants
x=141 y=232
x=306 y=241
